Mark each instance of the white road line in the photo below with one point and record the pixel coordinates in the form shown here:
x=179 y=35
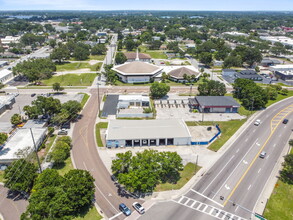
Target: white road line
x=211 y=211
x=181 y=199
x=193 y=204
x=199 y=206
x=249 y=187
x=205 y=208
x=115 y=216
x=237 y=150
x=218 y=174
x=274 y=145
x=207 y=198
x=246 y=139
x=268 y=156
x=253 y=131
x=236 y=208
x=235 y=168
x=101 y=191
x=187 y=201
x=259 y=170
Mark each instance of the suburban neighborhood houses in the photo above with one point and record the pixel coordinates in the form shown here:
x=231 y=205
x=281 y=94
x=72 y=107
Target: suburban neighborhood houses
x=146 y=114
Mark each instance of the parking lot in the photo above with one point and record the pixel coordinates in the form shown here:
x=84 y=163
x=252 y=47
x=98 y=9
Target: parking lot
x=183 y=111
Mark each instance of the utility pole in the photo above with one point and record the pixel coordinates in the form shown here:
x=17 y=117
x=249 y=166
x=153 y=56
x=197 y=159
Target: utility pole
x=35 y=147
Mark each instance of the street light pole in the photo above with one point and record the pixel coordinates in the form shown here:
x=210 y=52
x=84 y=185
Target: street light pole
x=35 y=149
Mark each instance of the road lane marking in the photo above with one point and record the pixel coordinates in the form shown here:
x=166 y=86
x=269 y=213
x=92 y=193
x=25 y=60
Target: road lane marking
x=274 y=145
x=115 y=216
x=227 y=187
x=101 y=191
x=237 y=150
x=249 y=187
x=235 y=167
x=253 y=131
x=207 y=198
x=246 y=139
x=245 y=162
x=259 y=170
x=256 y=156
x=218 y=174
x=268 y=156
x=257 y=144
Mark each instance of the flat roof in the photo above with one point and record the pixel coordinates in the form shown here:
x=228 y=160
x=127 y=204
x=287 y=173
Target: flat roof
x=147 y=129
x=216 y=101
x=4 y=73
x=20 y=140
x=133 y=98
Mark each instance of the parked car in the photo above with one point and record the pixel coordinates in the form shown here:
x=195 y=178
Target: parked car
x=66 y=125
x=62 y=132
x=257 y=122
x=138 y=207
x=123 y=208
x=285 y=121
x=263 y=154
x=32 y=95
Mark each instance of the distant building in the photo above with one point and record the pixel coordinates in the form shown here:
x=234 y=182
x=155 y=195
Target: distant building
x=178 y=73
x=131 y=56
x=248 y=74
x=6 y=102
x=3 y=63
x=101 y=34
x=269 y=62
x=125 y=101
x=5 y=75
x=235 y=33
x=215 y=104
x=156 y=38
x=281 y=39
x=190 y=45
x=228 y=72
x=284 y=72
x=9 y=39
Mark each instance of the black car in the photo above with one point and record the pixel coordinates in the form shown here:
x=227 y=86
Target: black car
x=66 y=125
x=32 y=95
x=285 y=121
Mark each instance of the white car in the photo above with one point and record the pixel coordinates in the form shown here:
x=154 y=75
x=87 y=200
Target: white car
x=138 y=208
x=257 y=122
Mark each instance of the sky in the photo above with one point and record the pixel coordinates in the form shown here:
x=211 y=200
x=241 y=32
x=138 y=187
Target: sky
x=207 y=5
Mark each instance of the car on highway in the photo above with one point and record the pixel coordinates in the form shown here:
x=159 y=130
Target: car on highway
x=285 y=121
x=32 y=95
x=138 y=207
x=257 y=122
x=123 y=208
x=263 y=154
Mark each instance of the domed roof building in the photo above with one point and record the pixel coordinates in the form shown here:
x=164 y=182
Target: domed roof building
x=137 y=71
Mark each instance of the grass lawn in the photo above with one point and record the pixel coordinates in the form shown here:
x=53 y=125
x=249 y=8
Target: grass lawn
x=280 y=204
x=64 y=168
x=156 y=54
x=77 y=66
x=89 y=214
x=91 y=57
x=48 y=145
x=279 y=98
x=1 y=176
x=228 y=128
x=98 y=133
x=186 y=174
x=84 y=79
x=84 y=99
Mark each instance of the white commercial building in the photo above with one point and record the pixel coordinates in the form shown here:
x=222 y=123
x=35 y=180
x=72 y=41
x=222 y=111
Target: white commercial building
x=6 y=102
x=284 y=72
x=5 y=75
x=20 y=144
x=280 y=39
x=125 y=101
x=135 y=133
x=9 y=39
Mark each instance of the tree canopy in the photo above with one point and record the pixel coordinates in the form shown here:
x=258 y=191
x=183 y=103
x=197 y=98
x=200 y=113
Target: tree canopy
x=141 y=173
x=158 y=90
x=15 y=119
x=120 y=58
x=212 y=88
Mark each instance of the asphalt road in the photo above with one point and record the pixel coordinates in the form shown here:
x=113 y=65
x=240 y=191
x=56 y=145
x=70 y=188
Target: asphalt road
x=12 y=206
x=86 y=157
x=239 y=176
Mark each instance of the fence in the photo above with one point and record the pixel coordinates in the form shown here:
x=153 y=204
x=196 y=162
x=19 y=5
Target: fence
x=210 y=141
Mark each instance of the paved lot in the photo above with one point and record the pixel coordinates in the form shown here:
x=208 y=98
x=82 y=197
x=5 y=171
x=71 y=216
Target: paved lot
x=183 y=112
x=187 y=153
x=202 y=133
x=110 y=105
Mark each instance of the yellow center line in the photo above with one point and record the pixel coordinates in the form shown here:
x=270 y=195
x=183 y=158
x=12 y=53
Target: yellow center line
x=249 y=167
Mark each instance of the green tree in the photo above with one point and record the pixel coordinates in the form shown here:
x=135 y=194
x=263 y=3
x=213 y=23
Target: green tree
x=60 y=152
x=20 y=176
x=212 y=88
x=129 y=44
x=99 y=49
x=52 y=43
x=231 y=61
x=287 y=172
x=3 y=138
x=80 y=188
x=57 y=87
x=164 y=77
x=60 y=53
x=81 y=52
x=48 y=178
x=110 y=75
x=206 y=58
x=15 y=119
x=120 y=58
x=158 y=90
